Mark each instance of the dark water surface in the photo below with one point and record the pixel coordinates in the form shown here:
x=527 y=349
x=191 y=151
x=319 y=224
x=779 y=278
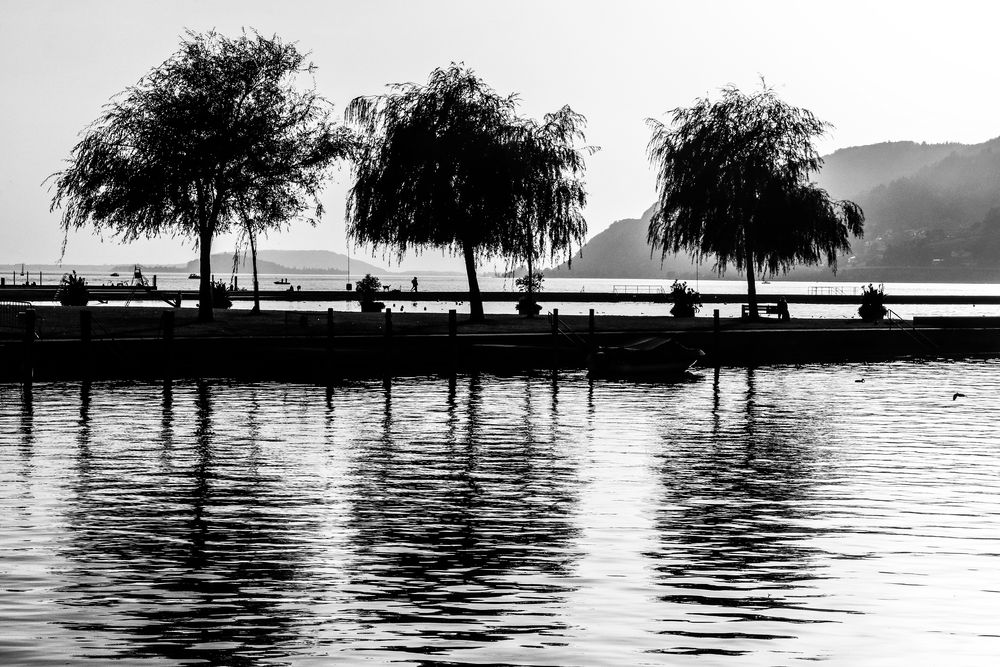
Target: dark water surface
x=764 y=516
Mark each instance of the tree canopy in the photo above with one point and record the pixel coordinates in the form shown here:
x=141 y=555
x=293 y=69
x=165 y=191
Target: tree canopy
x=451 y=165
x=216 y=135
x=733 y=181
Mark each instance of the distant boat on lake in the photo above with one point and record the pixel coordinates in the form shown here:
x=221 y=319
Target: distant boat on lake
x=283 y=281
x=114 y=274
x=194 y=276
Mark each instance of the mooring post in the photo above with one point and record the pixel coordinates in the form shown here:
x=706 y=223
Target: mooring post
x=178 y=300
x=453 y=339
x=86 y=330
x=236 y=282
x=715 y=337
x=29 y=340
x=167 y=325
x=86 y=326
x=555 y=339
x=591 y=329
x=154 y=281
x=387 y=333
x=330 y=362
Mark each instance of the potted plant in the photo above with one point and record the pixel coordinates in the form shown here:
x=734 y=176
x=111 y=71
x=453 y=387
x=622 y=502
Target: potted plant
x=872 y=303
x=686 y=301
x=530 y=283
x=366 y=289
x=220 y=296
x=73 y=290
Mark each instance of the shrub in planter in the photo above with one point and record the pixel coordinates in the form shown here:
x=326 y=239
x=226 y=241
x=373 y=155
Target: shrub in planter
x=73 y=290
x=686 y=301
x=872 y=303
x=366 y=289
x=220 y=295
x=530 y=283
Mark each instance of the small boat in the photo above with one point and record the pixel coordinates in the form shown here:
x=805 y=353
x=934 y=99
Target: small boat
x=114 y=275
x=649 y=357
x=283 y=281
x=194 y=276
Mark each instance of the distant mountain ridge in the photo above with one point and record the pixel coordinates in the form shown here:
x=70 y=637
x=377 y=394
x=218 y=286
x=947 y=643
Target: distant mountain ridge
x=848 y=172
x=930 y=206
x=957 y=190
x=621 y=251
x=278 y=261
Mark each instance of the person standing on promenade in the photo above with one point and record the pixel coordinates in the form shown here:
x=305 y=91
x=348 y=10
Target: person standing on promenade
x=783 y=313
x=414 y=283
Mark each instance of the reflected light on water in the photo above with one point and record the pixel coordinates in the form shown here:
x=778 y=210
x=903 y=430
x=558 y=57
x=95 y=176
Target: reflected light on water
x=772 y=514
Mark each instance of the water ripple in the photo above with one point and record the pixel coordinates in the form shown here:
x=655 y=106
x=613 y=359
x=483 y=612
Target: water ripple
x=768 y=515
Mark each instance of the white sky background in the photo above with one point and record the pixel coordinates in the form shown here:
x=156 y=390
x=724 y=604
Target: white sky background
x=879 y=71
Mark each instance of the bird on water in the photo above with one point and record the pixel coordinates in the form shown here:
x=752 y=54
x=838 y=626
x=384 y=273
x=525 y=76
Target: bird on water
x=957 y=395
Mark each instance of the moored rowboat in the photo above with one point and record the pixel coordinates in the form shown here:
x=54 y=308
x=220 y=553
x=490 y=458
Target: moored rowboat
x=657 y=356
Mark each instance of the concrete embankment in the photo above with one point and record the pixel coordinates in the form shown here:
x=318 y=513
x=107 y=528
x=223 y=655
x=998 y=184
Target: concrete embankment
x=149 y=343
x=190 y=297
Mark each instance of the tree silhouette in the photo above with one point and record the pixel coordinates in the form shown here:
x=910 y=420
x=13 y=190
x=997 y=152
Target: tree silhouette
x=451 y=165
x=733 y=182
x=216 y=135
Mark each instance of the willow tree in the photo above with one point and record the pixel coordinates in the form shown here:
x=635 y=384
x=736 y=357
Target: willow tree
x=286 y=180
x=218 y=131
x=549 y=218
x=733 y=181
x=451 y=165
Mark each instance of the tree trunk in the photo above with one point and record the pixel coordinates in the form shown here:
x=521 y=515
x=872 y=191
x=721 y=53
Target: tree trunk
x=253 y=260
x=476 y=313
x=205 y=313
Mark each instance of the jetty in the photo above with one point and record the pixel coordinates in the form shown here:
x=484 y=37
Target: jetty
x=322 y=346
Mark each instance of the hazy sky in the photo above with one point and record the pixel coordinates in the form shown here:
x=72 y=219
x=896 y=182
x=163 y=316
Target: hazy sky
x=879 y=71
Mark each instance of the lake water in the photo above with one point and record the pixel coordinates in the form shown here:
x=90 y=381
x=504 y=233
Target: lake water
x=767 y=516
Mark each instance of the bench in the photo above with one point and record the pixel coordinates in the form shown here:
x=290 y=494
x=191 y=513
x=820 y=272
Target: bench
x=762 y=309
x=10 y=309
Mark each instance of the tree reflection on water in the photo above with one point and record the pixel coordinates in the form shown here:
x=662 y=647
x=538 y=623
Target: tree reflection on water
x=462 y=529
x=186 y=547
x=735 y=530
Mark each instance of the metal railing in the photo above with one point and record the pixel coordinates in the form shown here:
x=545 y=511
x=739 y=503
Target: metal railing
x=637 y=289
x=826 y=290
x=893 y=319
x=566 y=332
